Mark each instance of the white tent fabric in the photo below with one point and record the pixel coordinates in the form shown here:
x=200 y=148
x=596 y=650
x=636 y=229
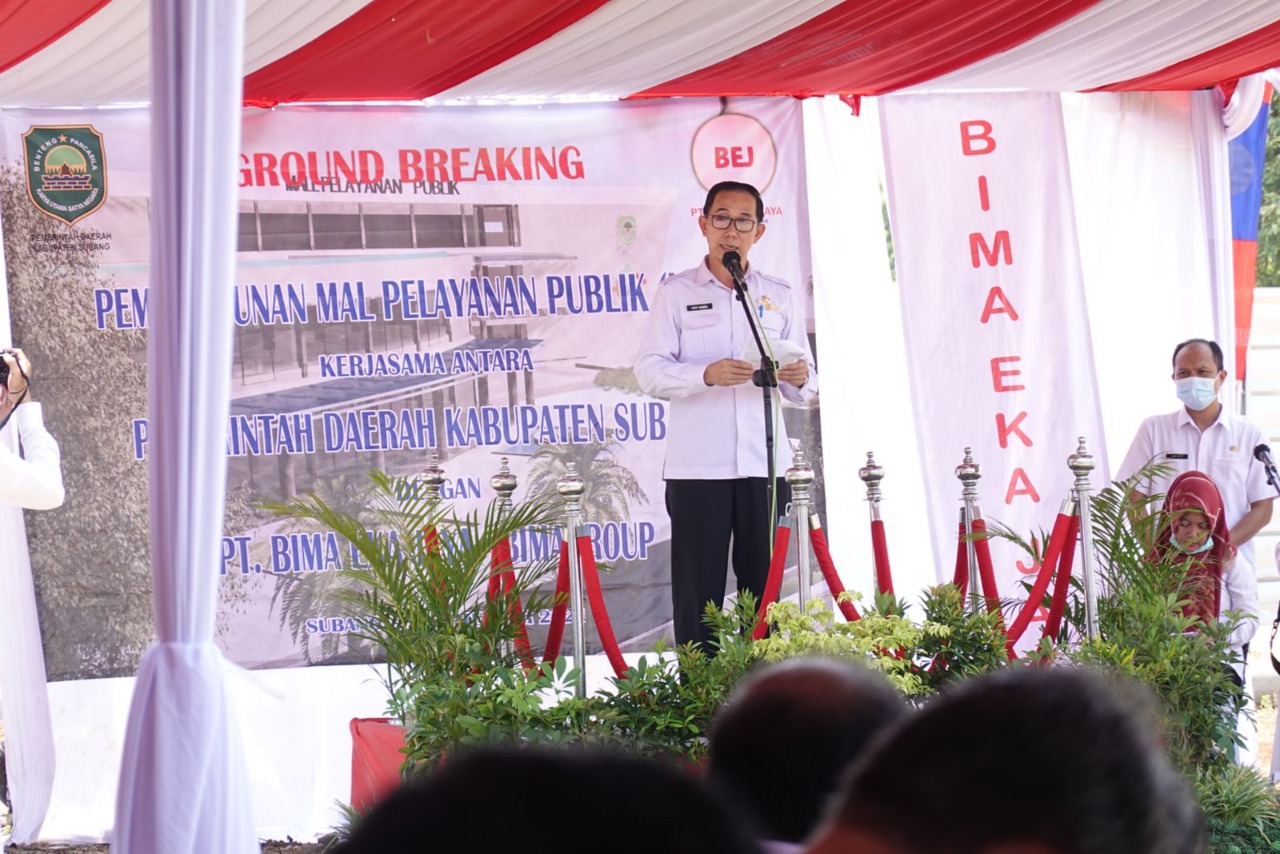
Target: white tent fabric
x=614 y=49
x=94 y=52
x=1245 y=102
x=108 y=56
x=1113 y=41
x=183 y=780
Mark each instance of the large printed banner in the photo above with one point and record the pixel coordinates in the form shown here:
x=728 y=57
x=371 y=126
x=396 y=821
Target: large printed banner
x=470 y=282
x=997 y=331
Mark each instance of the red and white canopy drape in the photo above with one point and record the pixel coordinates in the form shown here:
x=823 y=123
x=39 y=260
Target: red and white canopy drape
x=89 y=52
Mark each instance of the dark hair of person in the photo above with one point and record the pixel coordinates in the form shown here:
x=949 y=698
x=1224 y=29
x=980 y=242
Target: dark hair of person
x=781 y=744
x=733 y=187
x=1061 y=759
x=1212 y=345
x=571 y=802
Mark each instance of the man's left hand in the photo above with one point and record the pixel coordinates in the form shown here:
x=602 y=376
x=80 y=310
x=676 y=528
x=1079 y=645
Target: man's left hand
x=796 y=373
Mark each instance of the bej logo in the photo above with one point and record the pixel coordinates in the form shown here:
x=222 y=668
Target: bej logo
x=734 y=147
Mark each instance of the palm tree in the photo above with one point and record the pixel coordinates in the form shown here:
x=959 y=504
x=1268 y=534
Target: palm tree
x=610 y=487
x=413 y=600
x=302 y=596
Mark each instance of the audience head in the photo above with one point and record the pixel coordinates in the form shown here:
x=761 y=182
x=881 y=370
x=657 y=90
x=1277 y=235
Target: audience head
x=782 y=742
x=572 y=802
x=1026 y=761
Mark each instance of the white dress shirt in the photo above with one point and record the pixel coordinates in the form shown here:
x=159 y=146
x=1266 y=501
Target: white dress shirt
x=1240 y=593
x=32 y=479
x=1224 y=451
x=717 y=432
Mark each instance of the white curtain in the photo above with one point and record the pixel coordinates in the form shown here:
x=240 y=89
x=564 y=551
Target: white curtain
x=183 y=779
x=998 y=350
x=866 y=405
x=1209 y=136
x=1246 y=100
x=29 y=753
x=1143 y=248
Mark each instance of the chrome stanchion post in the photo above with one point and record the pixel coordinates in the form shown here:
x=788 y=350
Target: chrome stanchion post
x=969 y=472
x=871 y=474
x=1081 y=463
x=799 y=477
x=504 y=483
x=571 y=487
x=432 y=478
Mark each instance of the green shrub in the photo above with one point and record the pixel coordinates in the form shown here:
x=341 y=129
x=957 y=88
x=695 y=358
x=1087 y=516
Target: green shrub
x=456 y=682
x=1237 y=796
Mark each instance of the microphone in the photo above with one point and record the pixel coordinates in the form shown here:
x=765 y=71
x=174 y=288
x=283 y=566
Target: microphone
x=1262 y=454
x=732 y=262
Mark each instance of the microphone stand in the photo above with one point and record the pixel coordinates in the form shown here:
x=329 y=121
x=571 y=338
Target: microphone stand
x=1272 y=477
x=766 y=378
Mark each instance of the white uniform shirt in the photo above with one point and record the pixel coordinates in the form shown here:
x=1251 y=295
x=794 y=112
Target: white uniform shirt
x=33 y=479
x=715 y=432
x=1224 y=451
x=1240 y=593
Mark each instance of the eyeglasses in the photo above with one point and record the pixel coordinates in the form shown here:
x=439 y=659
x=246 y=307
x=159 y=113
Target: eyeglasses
x=722 y=222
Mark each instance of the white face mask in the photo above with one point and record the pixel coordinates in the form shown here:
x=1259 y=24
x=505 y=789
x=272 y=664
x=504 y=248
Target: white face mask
x=1196 y=392
x=1198 y=550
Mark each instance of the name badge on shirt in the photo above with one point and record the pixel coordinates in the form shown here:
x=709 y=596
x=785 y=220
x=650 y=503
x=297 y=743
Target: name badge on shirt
x=1175 y=456
x=698 y=306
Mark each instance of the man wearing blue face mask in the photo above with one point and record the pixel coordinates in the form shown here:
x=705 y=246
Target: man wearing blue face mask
x=1201 y=436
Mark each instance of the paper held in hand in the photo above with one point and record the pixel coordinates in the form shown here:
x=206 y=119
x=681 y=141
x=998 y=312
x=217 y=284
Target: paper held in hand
x=785 y=351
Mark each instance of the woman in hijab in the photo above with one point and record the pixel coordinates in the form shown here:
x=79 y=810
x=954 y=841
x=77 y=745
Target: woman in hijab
x=1195 y=532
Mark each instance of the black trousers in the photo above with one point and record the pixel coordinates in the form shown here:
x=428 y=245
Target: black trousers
x=706 y=515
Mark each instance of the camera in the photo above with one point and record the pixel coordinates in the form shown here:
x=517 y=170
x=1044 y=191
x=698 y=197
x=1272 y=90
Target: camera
x=4 y=371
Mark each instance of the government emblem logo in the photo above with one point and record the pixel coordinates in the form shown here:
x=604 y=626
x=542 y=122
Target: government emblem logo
x=66 y=170
x=626 y=231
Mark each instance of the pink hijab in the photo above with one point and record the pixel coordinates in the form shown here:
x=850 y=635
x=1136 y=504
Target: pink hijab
x=1196 y=491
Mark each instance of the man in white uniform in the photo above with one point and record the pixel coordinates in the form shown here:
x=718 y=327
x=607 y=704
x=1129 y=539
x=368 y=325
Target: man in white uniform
x=716 y=467
x=30 y=463
x=1201 y=436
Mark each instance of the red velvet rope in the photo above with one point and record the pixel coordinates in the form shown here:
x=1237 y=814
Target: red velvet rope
x=501 y=558
x=774 y=585
x=822 y=553
x=495 y=578
x=555 y=633
x=1062 y=585
x=884 y=578
x=595 y=595
x=961 y=579
x=982 y=550
x=1048 y=563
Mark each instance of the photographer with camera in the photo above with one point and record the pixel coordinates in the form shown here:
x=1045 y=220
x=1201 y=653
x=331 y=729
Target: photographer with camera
x=30 y=463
